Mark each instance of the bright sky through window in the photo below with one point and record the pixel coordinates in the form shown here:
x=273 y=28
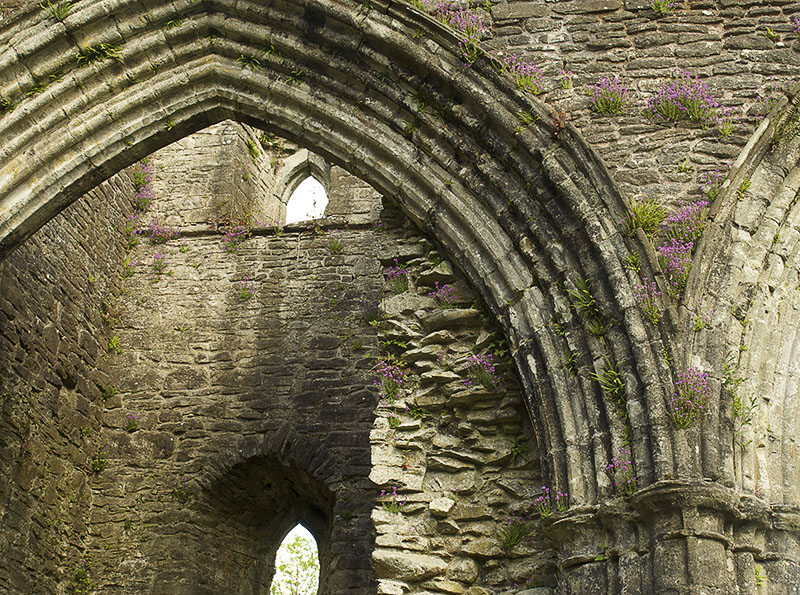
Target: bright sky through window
x=307 y=202
x=296 y=564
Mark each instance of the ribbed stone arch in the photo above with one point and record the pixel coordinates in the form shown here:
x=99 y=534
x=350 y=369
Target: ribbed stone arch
x=526 y=211
x=746 y=271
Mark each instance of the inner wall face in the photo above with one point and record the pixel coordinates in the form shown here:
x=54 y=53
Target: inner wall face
x=172 y=409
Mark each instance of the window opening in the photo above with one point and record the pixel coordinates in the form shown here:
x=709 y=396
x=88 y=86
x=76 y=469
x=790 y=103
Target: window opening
x=308 y=201
x=296 y=564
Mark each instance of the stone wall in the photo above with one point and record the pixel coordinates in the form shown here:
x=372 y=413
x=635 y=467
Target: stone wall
x=220 y=183
x=53 y=369
x=215 y=394
x=181 y=473
x=722 y=42
x=461 y=455
x=220 y=391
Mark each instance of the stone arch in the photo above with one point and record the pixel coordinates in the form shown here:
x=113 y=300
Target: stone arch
x=272 y=486
x=747 y=268
x=525 y=211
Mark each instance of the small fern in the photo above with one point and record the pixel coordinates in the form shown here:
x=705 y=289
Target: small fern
x=583 y=300
x=249 y=61
x=610 y=380
x=58 y=11
x=569 y=361
x=174 y=23
x=97 y=53
x=36 y=89
x=6 y=105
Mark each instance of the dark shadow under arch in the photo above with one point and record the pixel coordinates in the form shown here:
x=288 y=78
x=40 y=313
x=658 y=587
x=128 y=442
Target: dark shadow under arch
x=270 y=496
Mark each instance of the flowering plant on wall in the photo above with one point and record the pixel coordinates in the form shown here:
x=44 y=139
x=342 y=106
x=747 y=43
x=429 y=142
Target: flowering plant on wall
x=391 y=379
x=143 y=192
x=622 y=474
x=160 y=233
x=644 y=213
x=688 y=401
x=663 y=6
x=676 y=261
x=688 y=98
x=396 y=277
x=444 y=296
x=470 y=23
x=234 y=237
x=481 y=371
x=245 y=288
x=334 y=241
x=687 y=223
x=608 y=95
x=544 y=504
x=646 y=295
x=392 y=501
x=682 y=229
x=527 y=75
x=513 y=530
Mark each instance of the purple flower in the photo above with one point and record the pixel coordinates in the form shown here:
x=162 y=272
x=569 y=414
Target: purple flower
x=233 y=238
x=685 y=98
x=688 y=401
x=622 y=474
x=527 y=74
x=699 y=322
x=333 y=241
x=391 y=380
x=608 y=95
x=663 y=6
x=566 y=78
x=481 y=370
x=444 y=296
x=687 y=223
x=466 y=21
x=159 y=262
x=711 y=182
x=646 y=296
x=391 y=501
x=396 y=278
x=143 y=192
x=160 y=233
x=676 y=260
x=246 y=288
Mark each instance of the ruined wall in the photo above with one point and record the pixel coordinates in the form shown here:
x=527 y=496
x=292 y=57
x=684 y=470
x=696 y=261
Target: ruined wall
x=216 y=393
x=239 y=415
x=722 y=42
x=53 y=369
x=462 y=455
x=222 y=176
x=597 y=38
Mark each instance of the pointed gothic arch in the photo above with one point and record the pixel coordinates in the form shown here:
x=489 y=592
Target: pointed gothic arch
x=526 y=212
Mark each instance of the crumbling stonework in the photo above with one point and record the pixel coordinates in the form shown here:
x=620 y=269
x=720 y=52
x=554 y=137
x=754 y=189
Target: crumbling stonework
x=525 y=208
x=201 y=403
x=52 y=371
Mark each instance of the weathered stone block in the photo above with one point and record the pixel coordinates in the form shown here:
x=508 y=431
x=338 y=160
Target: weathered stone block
x=406 y=566
x=519 y=10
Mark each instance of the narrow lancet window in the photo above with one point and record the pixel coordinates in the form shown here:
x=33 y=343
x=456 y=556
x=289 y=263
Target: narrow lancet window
x=296 y=564
x=308 y=201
